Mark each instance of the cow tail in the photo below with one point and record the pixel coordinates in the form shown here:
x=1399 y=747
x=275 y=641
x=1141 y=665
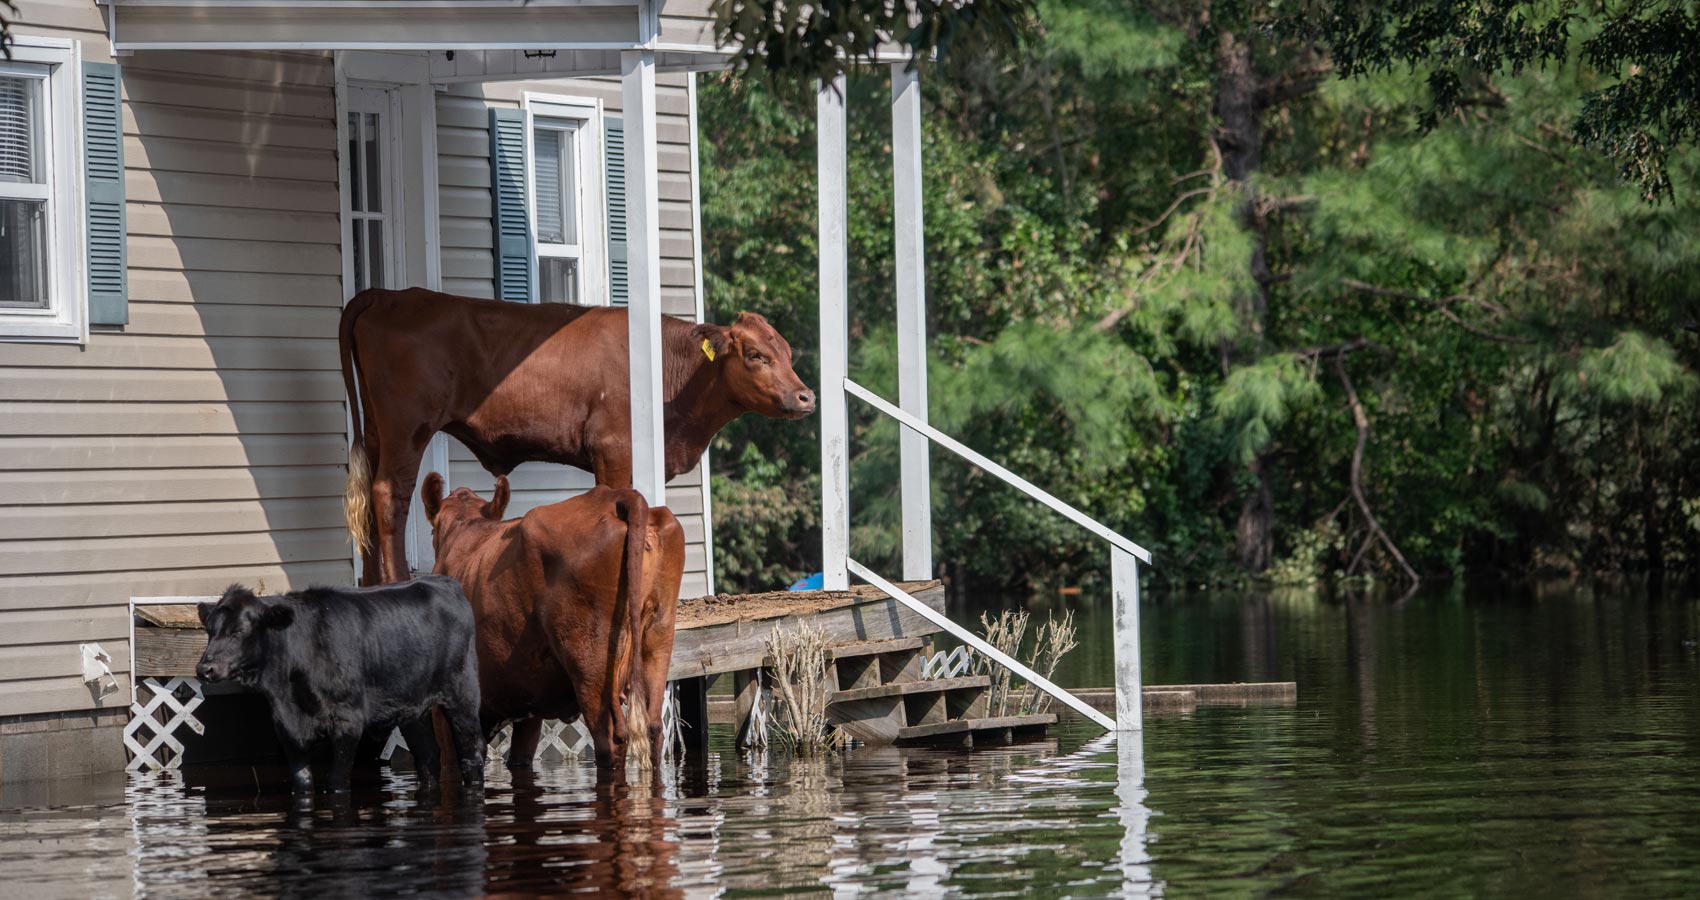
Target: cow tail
x=636 y=511
x=357 y=495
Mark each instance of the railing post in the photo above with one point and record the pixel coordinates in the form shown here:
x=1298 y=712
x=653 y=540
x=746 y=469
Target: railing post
x=910 y=267
x=1124 y=587
x=831 y=124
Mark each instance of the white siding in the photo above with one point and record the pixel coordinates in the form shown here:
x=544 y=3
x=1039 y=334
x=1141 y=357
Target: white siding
x=463 y=148
x=203 y=442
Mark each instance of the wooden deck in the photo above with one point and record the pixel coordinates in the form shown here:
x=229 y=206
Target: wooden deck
x=728 y=633
x=715 y=635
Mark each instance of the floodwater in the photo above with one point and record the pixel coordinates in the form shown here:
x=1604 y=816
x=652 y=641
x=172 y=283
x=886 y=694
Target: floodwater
x=1480 y=743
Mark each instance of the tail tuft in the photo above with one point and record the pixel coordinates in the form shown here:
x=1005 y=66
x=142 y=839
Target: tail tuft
x=357 y=497
x=637 y=730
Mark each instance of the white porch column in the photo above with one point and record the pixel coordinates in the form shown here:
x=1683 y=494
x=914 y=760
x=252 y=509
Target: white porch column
x=911 y=270
x=831 y=153
x=1124 y=588
x=643 y=242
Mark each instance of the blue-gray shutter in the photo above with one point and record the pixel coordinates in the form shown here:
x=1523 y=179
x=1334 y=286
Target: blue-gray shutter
x=516 y=258
x=614 y=153
x=103 y=190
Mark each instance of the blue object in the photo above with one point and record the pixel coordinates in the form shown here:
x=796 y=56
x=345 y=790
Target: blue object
x=811 y=583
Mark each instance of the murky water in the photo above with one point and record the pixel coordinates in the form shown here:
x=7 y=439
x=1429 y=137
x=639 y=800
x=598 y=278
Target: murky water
x=1461 y=744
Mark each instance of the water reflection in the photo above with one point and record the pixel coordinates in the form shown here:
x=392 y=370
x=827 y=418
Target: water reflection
x=1453 y=746
x=1134 y=816
x=915 y=822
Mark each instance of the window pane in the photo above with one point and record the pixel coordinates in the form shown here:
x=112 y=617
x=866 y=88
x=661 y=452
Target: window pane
x=356 y=185
x=375 y=247
x=361 y=282
x=557 y=279
x=374 y=173
x=20 y=156
x=23 y=254
x=552 y=206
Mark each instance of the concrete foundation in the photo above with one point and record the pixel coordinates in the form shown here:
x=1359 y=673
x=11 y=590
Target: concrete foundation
x=61 y=745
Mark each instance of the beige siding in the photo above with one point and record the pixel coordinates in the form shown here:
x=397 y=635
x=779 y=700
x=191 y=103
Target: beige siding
x=463 y=148
x=203 y=442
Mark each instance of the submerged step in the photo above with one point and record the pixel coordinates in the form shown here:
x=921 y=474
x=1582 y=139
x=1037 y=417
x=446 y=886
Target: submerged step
x=980 y=726
x=935 y=686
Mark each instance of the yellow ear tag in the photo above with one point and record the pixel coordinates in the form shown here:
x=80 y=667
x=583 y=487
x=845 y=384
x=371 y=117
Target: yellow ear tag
x=707 y=349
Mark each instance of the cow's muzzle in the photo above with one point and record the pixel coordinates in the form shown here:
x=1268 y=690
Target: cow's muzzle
x=211 y=672
x=802 y=403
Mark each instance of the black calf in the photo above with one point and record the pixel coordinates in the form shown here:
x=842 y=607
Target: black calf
x=334 y=662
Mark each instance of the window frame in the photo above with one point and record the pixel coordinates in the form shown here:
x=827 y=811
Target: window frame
x=58 y=62
x=584 y=115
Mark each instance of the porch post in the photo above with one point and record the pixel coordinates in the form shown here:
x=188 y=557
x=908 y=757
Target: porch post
x=643 y=247
x=831 y=154
x=911 y=269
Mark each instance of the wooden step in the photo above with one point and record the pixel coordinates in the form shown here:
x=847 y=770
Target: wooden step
x=935 y=686
x=998 y=728
x=873 y=663
x=870 y=648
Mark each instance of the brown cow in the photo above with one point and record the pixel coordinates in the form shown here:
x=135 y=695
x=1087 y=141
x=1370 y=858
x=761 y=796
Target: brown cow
x=519 y=383
x=574 y=605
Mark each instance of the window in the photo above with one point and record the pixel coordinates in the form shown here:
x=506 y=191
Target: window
x=566 y=199
x=555 y=152
x=369 y=200
x=41 y=264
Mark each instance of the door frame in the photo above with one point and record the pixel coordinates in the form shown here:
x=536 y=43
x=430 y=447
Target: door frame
x=416 y=240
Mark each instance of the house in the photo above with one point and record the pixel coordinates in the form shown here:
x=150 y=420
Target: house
x=189 y=191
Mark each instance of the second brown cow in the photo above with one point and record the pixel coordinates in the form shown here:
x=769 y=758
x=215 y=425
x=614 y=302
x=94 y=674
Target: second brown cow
x=574 y=605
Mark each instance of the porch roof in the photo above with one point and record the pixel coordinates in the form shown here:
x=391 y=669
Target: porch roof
x=489 y=36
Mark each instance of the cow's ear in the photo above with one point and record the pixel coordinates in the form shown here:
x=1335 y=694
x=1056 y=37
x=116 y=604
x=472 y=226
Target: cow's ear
x=432 y=495
x=498 y=504
x=205 y=611
x=712 y=341
x=277 y=616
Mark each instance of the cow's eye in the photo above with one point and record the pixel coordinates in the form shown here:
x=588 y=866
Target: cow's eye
x=755 y=358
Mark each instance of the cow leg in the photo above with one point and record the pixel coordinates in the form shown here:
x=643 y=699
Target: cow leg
x=613 y=468
x=422 y=743
x=343 y=746
x=606 y=732
x=655 y=686
x=300 y=765
x=371 y=556
x=392 y=493
x=522 y=750
x=469 y=744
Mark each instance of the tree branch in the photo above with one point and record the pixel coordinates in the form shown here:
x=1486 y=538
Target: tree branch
x=1439 y=305
x=1361 y=420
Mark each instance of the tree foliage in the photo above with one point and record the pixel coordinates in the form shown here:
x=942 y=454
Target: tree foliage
x=1642 y=109
x=1221 y=298
x=820 y=40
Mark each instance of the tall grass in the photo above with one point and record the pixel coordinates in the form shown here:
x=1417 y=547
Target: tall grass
x=801 y=685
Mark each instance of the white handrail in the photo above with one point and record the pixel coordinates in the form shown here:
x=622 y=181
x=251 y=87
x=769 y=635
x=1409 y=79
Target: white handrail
x=978 y=643
x=1027 y=487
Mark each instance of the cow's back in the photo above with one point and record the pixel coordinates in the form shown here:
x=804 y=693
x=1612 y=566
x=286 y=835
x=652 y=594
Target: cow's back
x=397 y=641
x=514 y=382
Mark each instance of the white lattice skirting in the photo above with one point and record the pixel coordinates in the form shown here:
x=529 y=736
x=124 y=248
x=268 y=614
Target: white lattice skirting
x=162 y=706
x=951 y=664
